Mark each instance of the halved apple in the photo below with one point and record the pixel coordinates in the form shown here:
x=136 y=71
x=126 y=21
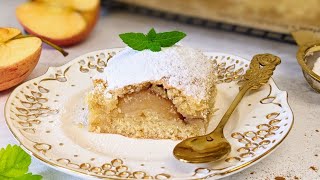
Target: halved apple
x=19 y=54
x=18 y=57
x=62 y=22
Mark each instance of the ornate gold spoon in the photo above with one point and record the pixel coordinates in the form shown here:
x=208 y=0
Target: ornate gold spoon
x=214 y=146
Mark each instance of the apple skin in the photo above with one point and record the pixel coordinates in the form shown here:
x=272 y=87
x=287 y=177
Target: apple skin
x=91 y=19
x=14 y=74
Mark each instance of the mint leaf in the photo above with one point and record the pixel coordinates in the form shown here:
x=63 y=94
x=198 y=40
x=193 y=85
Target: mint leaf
x=14 y=162
x=29 y=176
x=167 y=39
x=153 y=40
x=137 y=41
x=154 y=46
x=151 y=35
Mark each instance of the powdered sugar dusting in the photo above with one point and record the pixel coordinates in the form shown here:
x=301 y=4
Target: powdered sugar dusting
x=184 y=68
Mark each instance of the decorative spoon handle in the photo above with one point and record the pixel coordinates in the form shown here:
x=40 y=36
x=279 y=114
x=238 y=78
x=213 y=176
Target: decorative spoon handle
x=260 y=70
x=214 y=146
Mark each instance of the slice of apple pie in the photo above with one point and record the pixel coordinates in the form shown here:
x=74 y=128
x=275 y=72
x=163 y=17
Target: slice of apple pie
x=160 y=95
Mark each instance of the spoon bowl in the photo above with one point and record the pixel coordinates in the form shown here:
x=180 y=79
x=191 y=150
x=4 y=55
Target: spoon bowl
x=202 y=149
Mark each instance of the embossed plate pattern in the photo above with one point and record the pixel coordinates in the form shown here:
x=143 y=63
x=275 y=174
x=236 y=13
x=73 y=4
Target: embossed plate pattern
x=47 y=115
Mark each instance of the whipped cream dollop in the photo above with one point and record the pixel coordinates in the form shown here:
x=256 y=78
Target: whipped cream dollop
x=186 y=69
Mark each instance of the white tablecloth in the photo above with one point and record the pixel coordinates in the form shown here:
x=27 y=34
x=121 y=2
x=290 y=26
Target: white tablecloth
x=292 y=159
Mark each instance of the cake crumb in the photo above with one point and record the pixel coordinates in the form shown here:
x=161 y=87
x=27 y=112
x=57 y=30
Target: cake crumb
x=315 y=169
x=279 y=178
x=295 y=177
x=252 y=172
x=80 y=125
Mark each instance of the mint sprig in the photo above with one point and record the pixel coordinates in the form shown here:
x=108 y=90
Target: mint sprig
x=153 y=40
x=14 y=164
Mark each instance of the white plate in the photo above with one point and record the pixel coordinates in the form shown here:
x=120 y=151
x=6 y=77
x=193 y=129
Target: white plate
x=44 y=115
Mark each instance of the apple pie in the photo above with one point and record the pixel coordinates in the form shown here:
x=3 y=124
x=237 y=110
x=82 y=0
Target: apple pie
x=156 y=95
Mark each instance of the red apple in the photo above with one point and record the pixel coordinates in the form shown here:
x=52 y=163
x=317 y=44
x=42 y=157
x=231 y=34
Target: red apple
x=18 y=57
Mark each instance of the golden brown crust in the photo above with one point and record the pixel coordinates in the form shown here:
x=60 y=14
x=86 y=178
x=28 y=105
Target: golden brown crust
x=272 y=15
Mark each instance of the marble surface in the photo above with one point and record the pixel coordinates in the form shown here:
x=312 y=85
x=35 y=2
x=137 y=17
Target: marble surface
x=292 y=160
